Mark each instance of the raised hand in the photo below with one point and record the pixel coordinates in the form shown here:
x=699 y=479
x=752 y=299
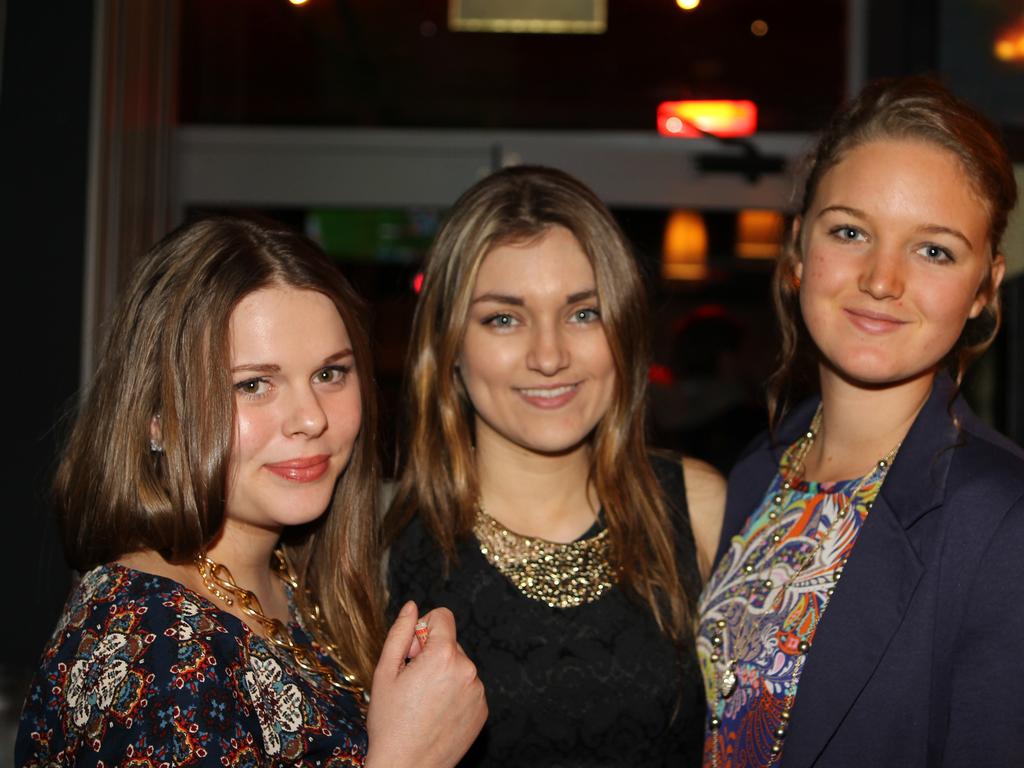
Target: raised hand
x=425 y=712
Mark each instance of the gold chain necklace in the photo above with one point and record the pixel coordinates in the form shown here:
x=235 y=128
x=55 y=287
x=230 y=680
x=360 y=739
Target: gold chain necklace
x=222 y=584
x=560 y=575
x=726 y=680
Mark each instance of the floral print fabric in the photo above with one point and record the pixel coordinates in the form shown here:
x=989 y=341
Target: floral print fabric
x=142 y=671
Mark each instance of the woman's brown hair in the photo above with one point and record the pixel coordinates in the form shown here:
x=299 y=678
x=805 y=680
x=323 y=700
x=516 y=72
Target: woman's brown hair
x=439 y=480
x=167 y=355
x=915 y=109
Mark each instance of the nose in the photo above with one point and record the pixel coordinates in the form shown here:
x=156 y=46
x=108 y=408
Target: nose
x=306 y=416
x=882 y=276
x=549 y=352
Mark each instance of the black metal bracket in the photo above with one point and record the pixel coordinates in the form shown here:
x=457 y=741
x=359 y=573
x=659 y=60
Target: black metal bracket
x=750 y=163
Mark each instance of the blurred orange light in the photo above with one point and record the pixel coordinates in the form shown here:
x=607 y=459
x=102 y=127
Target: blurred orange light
x=297 y=2
x=722 y=118
x=684 y=252
x=1009 y=46
x=758 y=234
x=687 y=5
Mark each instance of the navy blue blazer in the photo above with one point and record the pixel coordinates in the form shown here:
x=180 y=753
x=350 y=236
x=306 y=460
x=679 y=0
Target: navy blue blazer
x=919 y=659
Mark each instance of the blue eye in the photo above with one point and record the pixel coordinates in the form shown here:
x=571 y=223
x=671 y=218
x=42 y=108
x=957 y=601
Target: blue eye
x=586 y=315
x=934 y=252
x=500 y=320
x=847 y=233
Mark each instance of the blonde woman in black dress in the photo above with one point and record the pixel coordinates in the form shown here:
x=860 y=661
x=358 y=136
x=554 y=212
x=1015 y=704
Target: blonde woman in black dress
x=529 y=503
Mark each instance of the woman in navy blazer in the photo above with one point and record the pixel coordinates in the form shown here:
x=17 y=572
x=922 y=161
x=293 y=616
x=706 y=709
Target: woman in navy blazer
x=867 y=606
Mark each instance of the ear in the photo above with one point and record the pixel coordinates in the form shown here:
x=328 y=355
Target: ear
x=989 y=288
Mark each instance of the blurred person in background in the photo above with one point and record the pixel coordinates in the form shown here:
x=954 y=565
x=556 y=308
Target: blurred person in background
x=704 y=407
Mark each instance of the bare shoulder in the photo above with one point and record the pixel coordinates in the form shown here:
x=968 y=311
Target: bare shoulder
x=705 y=498
x=701 y=477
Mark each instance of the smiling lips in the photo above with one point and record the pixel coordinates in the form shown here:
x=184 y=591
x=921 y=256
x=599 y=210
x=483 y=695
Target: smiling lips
x=304 y=470
x=549 y=397
x=873 y=322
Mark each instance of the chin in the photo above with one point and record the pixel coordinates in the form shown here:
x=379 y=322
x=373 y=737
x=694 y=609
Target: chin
x=304 y=507
x=555 y=445
x=299 y=517
x=875 y=373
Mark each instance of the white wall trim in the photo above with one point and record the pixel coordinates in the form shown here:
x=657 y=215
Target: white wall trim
x=309 y=167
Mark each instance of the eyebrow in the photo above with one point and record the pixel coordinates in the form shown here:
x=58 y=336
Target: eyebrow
x=842 y=209
x=935 y=229
x=499 y=298
x=272 y=368
x=518 y=301
x=932 y=229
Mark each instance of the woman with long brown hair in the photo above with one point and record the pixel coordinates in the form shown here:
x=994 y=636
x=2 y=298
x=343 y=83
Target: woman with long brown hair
x=219 y=494
x=869 y=609
x=529 y=503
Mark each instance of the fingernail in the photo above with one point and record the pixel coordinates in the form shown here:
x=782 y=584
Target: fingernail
x=422 y=631
x=408 y=608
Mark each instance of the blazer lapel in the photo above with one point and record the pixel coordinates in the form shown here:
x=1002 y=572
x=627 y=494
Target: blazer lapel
x=749 y=479
x=877 y=586
x=757 y=471
x=878 y=583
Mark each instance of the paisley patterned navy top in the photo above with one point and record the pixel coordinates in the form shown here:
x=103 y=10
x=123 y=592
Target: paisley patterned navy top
x=767 y=631
x=597 y=684
x=143 y=671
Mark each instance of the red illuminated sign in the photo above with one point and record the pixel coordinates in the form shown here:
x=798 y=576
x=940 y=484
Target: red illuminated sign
x=682 y=119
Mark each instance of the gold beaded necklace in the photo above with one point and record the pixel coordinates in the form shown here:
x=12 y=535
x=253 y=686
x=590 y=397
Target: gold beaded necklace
x=726 y=680
x=561 y=575
x=222 y=584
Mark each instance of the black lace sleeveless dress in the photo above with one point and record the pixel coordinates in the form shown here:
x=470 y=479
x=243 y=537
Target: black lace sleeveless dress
x=592 y=685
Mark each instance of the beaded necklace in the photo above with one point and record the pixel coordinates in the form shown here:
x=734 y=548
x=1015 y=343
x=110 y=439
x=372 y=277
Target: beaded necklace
x=725 y=679
x=561 y=575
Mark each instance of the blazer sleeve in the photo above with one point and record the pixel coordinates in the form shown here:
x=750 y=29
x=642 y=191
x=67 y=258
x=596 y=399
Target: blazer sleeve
x=986 y=718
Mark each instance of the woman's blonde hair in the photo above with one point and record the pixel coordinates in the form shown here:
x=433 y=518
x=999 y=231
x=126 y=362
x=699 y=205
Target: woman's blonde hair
x=911 y=108
x=167 y=354
x=439 y=479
